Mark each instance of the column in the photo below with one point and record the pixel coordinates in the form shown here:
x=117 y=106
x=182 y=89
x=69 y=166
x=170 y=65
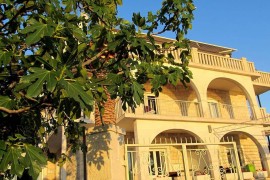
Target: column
x=142 y=152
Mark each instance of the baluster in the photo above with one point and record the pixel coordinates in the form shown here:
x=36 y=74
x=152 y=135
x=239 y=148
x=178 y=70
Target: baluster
x=215 y=60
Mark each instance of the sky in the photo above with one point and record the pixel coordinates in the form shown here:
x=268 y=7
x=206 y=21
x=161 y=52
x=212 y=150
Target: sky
x=240 y=24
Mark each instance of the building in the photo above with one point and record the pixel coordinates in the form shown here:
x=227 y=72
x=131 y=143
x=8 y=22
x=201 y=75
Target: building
x=213 y=129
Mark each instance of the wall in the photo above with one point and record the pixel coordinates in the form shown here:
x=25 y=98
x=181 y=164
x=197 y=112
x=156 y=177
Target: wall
x=105 y=155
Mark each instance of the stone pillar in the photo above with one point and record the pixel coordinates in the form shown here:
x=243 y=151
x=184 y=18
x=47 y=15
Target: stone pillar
x=142 y=153
x=245 y=64
x=194 y=54
x=105 y=153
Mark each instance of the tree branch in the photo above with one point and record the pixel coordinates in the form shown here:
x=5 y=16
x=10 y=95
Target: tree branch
x=29 y=98
x=99 y=17
x=17 y=111
x=95 y=57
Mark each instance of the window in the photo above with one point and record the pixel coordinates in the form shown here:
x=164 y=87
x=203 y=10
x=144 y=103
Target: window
x=150 y=105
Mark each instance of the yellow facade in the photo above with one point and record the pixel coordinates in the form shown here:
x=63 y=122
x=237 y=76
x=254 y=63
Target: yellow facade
x=218 y=106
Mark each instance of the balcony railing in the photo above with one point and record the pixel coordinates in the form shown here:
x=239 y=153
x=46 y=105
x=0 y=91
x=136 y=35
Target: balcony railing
x=224 y=63
x=172 y=107
x=155 y=106
x=227 y=111
x=265 y=116
x=220 y=61
x=264 y=79
x=179 y=108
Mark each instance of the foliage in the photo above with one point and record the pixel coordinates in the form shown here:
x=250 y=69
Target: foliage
x=64 y=56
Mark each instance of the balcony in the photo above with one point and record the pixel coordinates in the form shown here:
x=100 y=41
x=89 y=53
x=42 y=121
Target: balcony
x=265 y=116
x=158 y=108
x=155 y=108
x=203 y=60
x=262 y=84
x=228 y=111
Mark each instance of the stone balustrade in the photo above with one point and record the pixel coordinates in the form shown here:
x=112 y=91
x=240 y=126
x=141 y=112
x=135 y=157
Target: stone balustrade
x=225 y=63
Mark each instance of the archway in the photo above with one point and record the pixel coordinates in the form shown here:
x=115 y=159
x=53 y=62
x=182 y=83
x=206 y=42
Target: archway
x=174 y=100
x=181 y=152
x=250 y=151
x=228 y=99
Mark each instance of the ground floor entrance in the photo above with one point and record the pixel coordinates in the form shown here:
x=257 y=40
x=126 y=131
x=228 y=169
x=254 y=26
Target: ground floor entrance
x=189 y=161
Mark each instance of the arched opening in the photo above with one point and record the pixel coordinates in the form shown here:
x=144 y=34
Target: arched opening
x=173 y=136
x=228 y=99
x=249 y=150
x=174 y=101
x=177 y=149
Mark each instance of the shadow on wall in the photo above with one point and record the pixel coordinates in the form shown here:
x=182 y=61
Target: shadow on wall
x=105 y=151
x=98 y=145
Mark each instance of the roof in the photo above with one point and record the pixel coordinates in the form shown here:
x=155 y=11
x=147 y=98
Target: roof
x=211 y=47
x=201 y=46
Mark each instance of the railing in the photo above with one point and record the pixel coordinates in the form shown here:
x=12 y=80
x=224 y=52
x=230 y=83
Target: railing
x=155 y=106
x=227 y=111
x=264 y=115
x=220 y=61
x=172 y=107
x=224 y=63
x=183 y=161
x=179 y=108
x=251 y=67
x=264 y=79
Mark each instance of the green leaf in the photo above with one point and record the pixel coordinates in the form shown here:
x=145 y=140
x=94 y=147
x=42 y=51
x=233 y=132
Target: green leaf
x=37 y=31
x=81 y=47
x=40 y=76
x=74 y=90
x=119 y=2
x=2 y=149
x=2 y=145
x=137 y=92
x=34 y=159
x=19 y=136
x=77 y=32
x=11 y=159
x=6 y=102
x=5 y=57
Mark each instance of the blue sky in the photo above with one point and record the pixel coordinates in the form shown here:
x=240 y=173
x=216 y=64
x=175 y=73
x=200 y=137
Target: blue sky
x=240 y=24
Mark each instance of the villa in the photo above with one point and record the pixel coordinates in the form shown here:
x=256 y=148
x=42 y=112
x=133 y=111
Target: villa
x=215 y=128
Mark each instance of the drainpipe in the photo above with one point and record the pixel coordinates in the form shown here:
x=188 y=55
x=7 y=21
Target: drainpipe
x=258 y=97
